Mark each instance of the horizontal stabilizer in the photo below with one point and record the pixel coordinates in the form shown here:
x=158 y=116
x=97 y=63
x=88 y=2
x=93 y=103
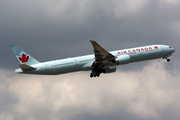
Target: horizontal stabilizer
x=26 y=67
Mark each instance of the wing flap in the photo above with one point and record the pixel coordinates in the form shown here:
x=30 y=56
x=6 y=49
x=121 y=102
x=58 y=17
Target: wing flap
x=26 y=67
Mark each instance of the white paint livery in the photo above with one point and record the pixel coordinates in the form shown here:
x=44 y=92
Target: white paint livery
x=99 y=62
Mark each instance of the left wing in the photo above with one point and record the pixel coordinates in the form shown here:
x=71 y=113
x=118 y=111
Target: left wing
x=102 y=56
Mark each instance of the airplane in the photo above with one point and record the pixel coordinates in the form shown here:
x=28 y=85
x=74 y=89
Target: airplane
x=101 y=61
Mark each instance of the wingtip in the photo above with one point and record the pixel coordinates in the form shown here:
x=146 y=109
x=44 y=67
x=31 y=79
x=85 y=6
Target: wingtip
x=12 y=45
x=92 y=41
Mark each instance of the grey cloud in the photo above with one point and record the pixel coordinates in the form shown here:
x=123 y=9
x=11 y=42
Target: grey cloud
x=150 y=94
x=62 y=28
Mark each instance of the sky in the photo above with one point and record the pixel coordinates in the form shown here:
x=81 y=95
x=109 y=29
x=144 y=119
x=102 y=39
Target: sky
x=56 y=29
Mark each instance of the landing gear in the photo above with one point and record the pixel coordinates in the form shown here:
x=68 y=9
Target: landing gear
x=94 y=75
x=91 y=75
x=98 y=75
x=168 y=60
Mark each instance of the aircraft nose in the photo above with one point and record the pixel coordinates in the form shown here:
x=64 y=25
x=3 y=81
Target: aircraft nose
x=173 y=50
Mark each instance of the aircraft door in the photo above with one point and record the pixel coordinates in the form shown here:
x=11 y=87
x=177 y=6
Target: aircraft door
x=141 y=52
x=47 y=67
x=162 y=49
x=76 y=62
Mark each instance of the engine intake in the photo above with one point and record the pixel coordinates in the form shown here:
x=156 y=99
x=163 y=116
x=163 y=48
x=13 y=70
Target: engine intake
x=122 y=59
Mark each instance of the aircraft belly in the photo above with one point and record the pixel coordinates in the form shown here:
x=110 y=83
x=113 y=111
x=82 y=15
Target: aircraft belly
x=68 y=69
x=135 y=57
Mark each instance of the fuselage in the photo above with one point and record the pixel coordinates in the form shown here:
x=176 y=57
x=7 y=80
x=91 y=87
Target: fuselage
x=83 y=63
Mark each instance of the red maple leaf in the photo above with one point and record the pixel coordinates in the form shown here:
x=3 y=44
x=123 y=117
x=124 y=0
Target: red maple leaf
x=24 y=58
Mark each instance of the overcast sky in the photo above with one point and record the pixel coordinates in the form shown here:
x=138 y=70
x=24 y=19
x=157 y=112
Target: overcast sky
x=57 y=29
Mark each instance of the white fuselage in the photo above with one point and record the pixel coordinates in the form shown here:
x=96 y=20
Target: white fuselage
x=83 y=63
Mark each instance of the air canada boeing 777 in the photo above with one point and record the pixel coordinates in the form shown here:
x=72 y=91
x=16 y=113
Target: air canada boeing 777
x=101 y=61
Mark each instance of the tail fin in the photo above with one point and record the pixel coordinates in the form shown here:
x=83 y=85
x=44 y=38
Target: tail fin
x=22 y=56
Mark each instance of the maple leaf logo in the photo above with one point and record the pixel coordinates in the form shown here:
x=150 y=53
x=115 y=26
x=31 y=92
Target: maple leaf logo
x=24 y=58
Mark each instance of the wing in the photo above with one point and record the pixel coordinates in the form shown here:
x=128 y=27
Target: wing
x=102 y=56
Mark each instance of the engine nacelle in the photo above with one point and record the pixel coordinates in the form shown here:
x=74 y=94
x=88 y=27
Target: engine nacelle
x=109 y=70
x=122 y=59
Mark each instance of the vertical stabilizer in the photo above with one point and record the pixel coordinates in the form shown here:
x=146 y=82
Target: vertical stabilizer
x=22 y=56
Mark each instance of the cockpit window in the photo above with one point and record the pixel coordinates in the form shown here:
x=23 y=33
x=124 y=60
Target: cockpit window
x=169 y=47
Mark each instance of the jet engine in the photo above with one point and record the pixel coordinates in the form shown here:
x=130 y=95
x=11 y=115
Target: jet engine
x=109 y=70
x=122 y=59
